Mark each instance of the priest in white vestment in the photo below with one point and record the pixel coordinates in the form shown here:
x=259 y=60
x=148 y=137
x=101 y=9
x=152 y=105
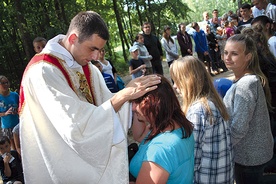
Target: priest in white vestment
x=72 y=129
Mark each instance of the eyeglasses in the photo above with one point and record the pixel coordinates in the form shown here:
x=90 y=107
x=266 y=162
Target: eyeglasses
x=4 y=83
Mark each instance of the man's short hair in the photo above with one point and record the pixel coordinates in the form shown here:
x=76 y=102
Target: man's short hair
x=4 y=139
x=39 y=39
x=263 y=19
x=181 y=24
x=87 y=23
x=146 y=23
x=194 y=24
x=234 y=16
x=246 y=6
x=95 y=62
x=215 y=10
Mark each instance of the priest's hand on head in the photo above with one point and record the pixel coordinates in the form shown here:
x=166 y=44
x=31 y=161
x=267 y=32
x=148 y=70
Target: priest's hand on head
x=135 y=89
x=141 y=85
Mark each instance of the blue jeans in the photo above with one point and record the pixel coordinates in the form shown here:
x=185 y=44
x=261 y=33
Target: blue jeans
x=249 y=174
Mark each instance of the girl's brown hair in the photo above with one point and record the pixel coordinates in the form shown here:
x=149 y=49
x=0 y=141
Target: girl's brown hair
x=163 y=110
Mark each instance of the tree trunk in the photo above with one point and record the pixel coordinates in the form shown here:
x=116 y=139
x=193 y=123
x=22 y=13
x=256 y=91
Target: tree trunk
x=139 y=13
x=150 y=19
x=130 y=22
x=24 y=34
x=61 y=3
x=147 y=9
x=60 y=12
x=121 y=30
x=239 y=3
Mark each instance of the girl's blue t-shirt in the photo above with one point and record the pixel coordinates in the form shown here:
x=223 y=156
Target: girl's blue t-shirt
x=6 y=102
x=171 y=152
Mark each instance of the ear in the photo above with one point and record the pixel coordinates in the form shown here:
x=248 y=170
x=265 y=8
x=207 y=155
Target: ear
x=248 y=57
x=268 y=26
x=273 y=26
x=72 y=38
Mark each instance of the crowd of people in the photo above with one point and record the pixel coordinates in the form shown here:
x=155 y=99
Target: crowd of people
x=75 y=115
x=233 y=121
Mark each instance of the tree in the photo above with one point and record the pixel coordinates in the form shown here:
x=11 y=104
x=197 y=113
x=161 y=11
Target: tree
x=16 y=36
x=198 y=7
x=124 y=18
x=120 y=26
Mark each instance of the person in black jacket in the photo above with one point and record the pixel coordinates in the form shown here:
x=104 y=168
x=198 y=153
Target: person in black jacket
x=214 y=51
x=10 y=163
x=184 y=40
x=154 y=48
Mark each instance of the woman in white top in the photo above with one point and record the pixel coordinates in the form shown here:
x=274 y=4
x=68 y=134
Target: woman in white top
x=107 y=66
x=169 y=45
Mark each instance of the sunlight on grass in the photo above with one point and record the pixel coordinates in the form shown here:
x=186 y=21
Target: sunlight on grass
x=121 y=65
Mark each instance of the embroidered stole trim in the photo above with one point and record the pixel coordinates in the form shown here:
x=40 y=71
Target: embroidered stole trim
x=55 y=61
x=87 y=74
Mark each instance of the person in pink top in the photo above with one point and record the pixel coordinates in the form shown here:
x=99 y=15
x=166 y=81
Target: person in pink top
x=229 y=28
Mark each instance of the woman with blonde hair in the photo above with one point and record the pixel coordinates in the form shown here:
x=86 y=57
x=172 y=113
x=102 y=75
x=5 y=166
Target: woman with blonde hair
x=248 y=102
x=203 y=106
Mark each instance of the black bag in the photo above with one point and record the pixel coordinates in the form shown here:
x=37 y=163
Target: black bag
x=132 y=149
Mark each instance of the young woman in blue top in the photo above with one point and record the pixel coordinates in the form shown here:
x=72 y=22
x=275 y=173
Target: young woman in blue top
x=165 y=153
x=8 y=108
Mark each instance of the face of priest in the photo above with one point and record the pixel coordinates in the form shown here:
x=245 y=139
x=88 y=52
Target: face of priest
x=87 y=50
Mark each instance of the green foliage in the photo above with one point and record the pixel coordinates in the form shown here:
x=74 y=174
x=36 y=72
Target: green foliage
x=198 y=7
x=121 y=67
x=118 y=61
x=22 y=21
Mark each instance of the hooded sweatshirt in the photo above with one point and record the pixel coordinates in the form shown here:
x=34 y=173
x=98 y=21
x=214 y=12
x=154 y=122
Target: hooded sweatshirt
x=143 y=53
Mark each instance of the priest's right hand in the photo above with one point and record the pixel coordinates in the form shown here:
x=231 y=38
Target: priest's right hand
x=135 y=89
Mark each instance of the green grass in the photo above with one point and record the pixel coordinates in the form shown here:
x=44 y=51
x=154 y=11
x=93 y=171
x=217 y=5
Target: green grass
x=120 y=64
